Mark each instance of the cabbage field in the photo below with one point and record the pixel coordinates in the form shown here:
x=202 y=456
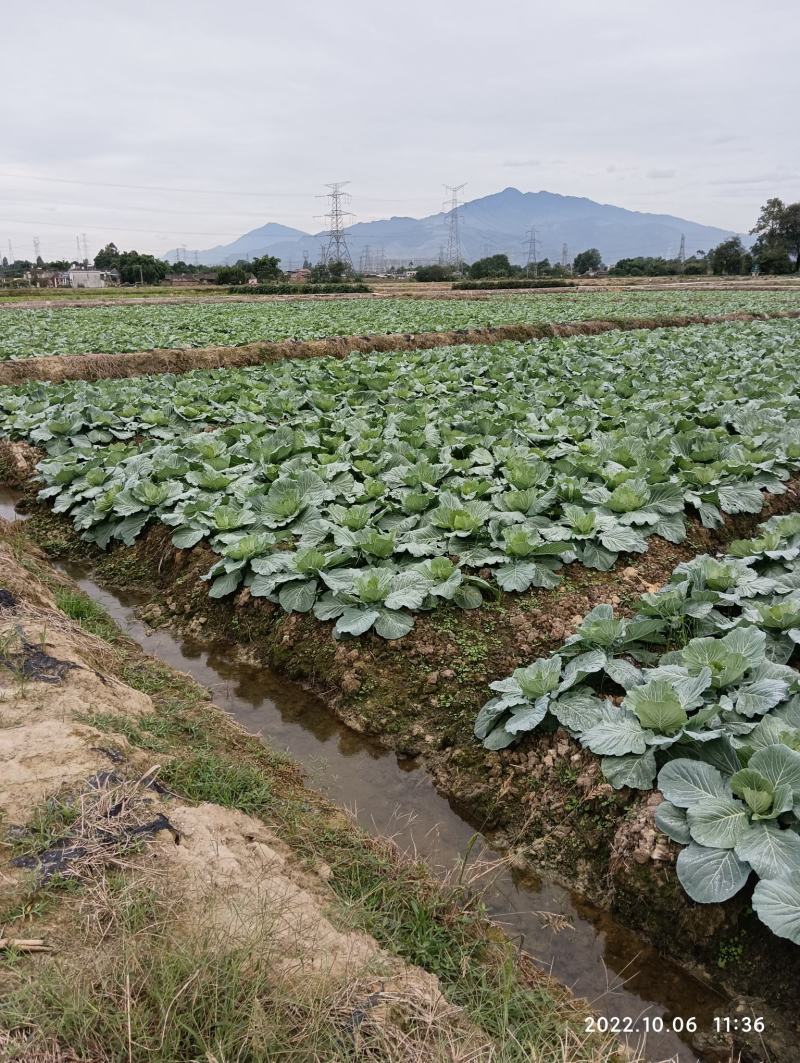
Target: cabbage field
x=694 y=695
x=368 y=489
x=116 y=329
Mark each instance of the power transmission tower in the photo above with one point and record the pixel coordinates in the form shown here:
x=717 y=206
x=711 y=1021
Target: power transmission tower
x=682 y=252
x=77 y=250
x=85 y=248
x=336 y=249
x=532 y=253
x=11 y=253
x=454 y=256
x=564 y=256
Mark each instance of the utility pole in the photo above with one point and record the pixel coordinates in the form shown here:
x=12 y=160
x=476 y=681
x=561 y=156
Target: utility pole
x=564 y=257
x=85 y=248
x=36 y=247
x=11 y=258
x=532 y=253
x=682 y=253
x=336 y=249
x=454 y=256
x=77 y=250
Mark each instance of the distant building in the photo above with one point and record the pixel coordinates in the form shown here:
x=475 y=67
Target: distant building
x=299 y=276
x=85 y=277
x=253 y=282
x=181 y=280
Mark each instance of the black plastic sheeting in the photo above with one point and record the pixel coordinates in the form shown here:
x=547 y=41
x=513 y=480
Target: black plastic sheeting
x=59 y=858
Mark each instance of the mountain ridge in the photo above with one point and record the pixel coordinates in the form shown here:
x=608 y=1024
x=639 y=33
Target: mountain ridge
x=491 y=224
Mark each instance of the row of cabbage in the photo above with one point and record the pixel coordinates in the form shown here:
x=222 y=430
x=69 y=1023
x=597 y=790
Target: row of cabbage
x=371 y=488
x=113 y=329
x=697 y=695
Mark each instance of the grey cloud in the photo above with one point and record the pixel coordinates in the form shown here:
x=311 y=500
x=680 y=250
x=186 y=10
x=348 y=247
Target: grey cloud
x=607 y=101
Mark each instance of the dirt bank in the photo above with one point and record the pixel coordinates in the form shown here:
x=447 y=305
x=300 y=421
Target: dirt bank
x=179 y=360
x=168 y=883
x=545 y=801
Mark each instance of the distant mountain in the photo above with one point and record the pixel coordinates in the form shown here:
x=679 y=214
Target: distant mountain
x=490 y=225
x=251 y=245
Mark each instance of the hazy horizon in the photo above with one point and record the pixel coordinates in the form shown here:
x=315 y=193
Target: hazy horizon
x=191 y=125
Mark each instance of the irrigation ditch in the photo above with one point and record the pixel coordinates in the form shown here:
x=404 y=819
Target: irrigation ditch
x=146 y=833
x=402 y=753
x=58 y=368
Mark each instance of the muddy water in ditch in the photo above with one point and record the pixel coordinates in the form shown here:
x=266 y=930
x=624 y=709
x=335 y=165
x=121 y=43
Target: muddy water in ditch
x=582 y=946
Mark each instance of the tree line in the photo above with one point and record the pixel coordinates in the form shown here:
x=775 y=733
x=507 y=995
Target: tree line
x=776 y=250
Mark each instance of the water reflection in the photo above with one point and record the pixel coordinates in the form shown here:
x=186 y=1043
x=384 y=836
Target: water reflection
x=579 y=943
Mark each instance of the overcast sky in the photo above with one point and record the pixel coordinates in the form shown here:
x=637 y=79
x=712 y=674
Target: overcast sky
x=218 y=117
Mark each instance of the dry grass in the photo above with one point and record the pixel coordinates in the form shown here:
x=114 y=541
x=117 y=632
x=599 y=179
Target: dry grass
x=36 y=625
x=81 y=837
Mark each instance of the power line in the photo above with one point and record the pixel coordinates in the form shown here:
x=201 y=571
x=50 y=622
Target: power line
x=336 y=249
x=454 y=256
x=144 y=188
x=119 y=228
x=532 y=254
x=147 y=210
x=176 y=188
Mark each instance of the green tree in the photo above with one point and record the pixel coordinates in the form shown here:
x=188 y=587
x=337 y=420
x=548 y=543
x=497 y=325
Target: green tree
x=777 y=249
x=491 y=266
x=433 y=273
x=586 y=261
x=107 y=257
x=232 y=275
x=646 y=266
x=267 y=268
x=135 y=268
x=330 y=272
x=771 y=256
x=728 y=257
x=695 y=266
x=544 y=268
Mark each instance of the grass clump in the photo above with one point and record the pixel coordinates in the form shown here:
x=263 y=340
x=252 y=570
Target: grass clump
x=210 y=777
x=86 y=612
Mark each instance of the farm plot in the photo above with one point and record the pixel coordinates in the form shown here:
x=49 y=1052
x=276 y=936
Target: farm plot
x=368 y=489
x=116 y=329
x=695 y=694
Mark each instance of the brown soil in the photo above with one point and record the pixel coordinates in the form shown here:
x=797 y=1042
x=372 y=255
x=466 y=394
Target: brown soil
x=214 y=867
x=58 y=368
